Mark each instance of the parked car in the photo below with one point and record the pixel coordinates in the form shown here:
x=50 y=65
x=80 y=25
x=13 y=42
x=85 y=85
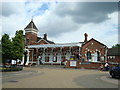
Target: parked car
x=8 y=60
x=115 y=71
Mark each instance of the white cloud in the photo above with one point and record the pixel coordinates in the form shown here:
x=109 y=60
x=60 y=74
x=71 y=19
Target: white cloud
x=62 y=22
x=12 y=8
x=72 y=15
x=106 y=32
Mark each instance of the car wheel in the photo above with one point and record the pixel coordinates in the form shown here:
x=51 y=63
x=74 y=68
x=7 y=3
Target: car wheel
x=112 y=74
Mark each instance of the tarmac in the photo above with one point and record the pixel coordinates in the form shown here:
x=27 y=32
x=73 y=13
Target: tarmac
x=58 y=78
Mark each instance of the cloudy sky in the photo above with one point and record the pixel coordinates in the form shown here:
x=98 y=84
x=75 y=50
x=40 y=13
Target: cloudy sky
x=64 y=22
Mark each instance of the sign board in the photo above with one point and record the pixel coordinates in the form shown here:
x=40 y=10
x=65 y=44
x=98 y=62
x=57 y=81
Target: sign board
x=72 y=63
x=84 y=63
x=71 y=58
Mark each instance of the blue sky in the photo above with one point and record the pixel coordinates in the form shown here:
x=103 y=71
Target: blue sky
x=64 y=22
x=39 y=10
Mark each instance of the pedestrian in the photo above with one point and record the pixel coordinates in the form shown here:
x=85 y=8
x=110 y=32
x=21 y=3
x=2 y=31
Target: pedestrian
x=40 y=59
x=106 y=67
x=66 y=62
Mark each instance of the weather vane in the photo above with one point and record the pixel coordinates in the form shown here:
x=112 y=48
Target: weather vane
x=32 y=18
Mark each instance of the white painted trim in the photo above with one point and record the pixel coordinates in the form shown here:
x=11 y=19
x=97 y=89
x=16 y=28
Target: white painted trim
x=27 y=62
x=55 y=45
x=31 y=29
x=22 y=60
x=43 y=40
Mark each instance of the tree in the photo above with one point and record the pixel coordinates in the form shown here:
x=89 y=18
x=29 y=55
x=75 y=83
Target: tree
x=18 y=45
x=6 y=47
x=116 y=46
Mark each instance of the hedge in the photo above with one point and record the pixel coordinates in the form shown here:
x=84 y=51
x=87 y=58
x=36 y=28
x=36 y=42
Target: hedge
x=11 y=69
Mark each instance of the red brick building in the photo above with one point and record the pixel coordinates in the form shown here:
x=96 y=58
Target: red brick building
x=113 y=55
x=81 y=54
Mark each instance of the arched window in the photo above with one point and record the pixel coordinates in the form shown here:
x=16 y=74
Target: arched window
x=55 y=59
x=88 y=56
x=47 y=59
x=98 y=56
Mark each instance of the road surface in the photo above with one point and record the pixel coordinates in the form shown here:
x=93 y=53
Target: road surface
x=47 y=77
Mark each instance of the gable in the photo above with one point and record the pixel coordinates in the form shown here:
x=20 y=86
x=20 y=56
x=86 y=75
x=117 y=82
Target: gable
x=93 y=45
x=42 y=41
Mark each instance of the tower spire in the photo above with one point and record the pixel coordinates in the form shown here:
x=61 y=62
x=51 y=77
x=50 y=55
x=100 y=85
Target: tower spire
x=31 y=25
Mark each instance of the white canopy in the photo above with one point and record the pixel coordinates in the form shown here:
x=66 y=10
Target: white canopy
x=55 y=45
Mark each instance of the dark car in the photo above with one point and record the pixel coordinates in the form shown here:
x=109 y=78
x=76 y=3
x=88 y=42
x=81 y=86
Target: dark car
x=115 y=71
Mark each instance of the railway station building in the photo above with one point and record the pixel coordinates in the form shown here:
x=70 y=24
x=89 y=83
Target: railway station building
x=40 y=50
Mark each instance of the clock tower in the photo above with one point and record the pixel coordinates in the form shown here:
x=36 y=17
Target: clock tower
x=30 y=33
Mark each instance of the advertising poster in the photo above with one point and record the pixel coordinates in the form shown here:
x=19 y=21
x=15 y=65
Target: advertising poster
x=72 y=63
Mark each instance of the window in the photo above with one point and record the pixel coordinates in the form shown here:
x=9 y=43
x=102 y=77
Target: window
x=55 y=59
x=88 y=56
x=113 y=57
x=63 y=58
x=82 y=59
x=110 y=57
x=46 y=59
x=98 y=56
x=102 y=58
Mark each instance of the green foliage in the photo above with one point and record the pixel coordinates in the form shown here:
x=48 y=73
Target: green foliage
x=18 y=45
x=116 y=46
x=7 y=69
x=12 y=49
x=6 y=47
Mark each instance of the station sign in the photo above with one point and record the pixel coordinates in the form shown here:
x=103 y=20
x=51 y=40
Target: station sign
x=84 y=63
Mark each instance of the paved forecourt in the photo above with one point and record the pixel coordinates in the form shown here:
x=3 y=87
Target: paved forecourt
x=59 y=78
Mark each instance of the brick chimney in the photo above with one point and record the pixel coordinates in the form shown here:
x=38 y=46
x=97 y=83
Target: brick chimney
x=85 y=35
x=45 y=36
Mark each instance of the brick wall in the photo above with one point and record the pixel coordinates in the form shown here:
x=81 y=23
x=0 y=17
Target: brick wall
x=92 y=46
x=116 y=59
x=31 y=38
x=91 y=65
